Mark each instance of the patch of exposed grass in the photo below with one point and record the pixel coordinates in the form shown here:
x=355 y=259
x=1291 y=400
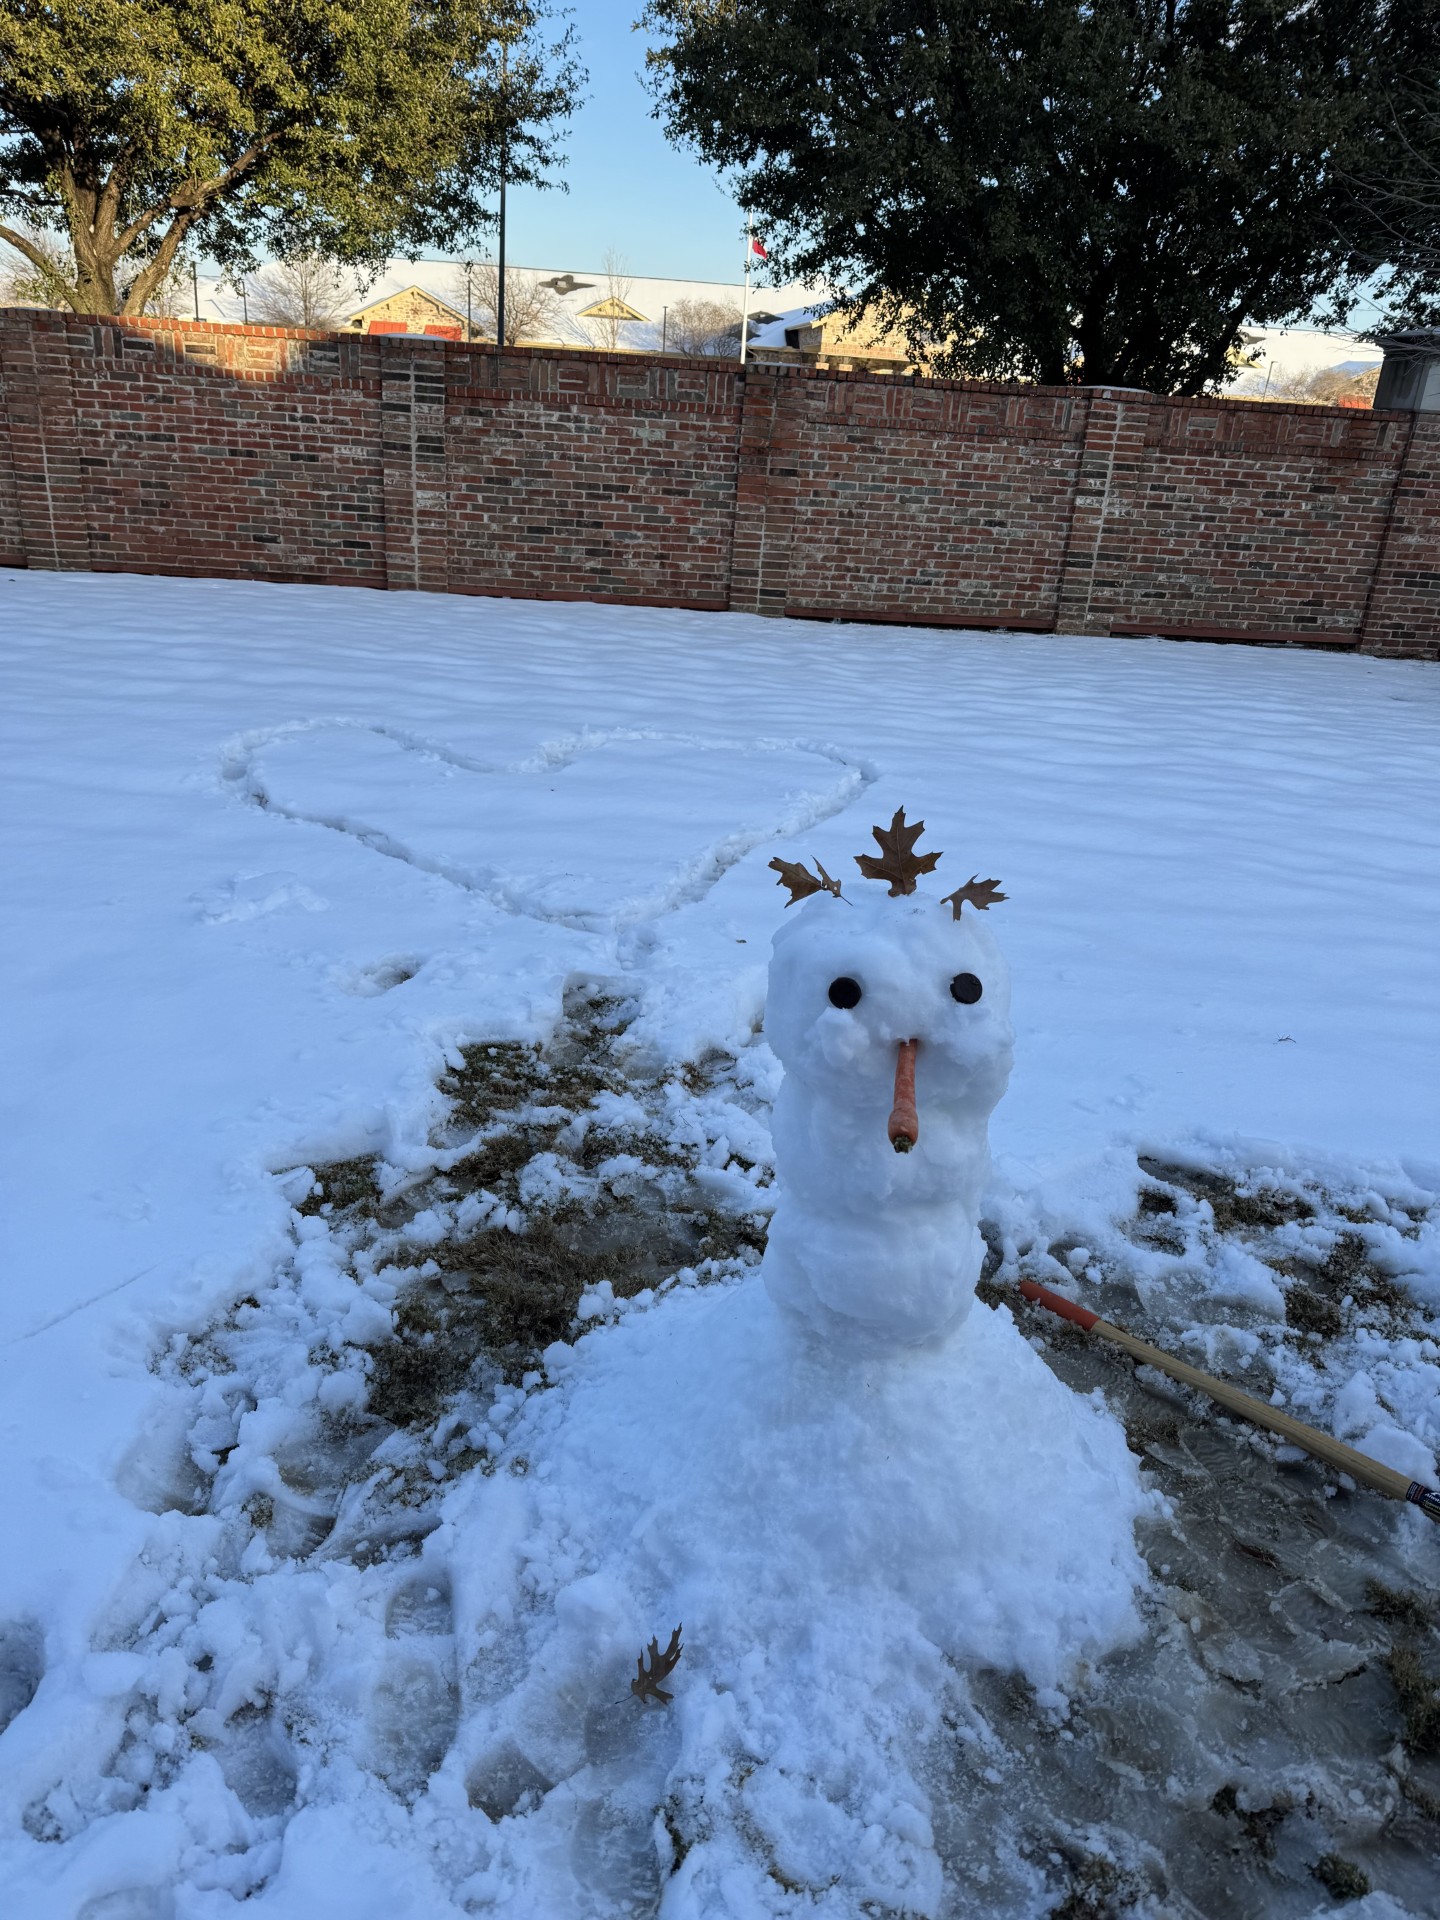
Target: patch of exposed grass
x=503 y=1297
x=1341 y=1878
x=1401 y=1605
x=1323 y=1297
x=1349 y=1268
x=697 y=1075
x=1098 y=1890
x=1154 y=1200
x=729 y=1236
x=1233 y=1204
x=1310 y=1312
x=1418 y=1695
x=497 y=1162
x=342 y=1184
x=492 y=1075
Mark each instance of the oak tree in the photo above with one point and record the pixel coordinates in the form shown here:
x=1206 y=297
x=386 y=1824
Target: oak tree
x=1062 y=190
x=134 y=128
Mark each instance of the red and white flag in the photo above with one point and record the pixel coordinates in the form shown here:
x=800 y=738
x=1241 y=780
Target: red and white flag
x=757 y=252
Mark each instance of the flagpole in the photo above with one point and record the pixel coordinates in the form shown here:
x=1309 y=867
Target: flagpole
x=745 y=303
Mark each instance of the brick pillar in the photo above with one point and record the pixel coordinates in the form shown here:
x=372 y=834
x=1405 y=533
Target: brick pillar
x=412 y=433
x=1402 y=610
x=764 y=490
x=12 y=542
x=1095 y=555
x=45 y=449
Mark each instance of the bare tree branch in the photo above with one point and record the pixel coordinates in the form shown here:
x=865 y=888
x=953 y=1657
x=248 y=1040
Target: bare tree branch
x=608 y=329
x=157 y=268
x=33 y=249
x=533 y=312
x=710 y=327
x=304 y=291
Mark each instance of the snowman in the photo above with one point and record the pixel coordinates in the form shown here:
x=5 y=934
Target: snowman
x=842 y=1520
x=890 y=1013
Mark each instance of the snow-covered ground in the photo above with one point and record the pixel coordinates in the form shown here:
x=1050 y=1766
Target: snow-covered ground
x=277 y=861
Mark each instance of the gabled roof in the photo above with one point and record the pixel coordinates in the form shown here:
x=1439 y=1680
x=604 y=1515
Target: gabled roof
x=432 y=299
x=612 y=307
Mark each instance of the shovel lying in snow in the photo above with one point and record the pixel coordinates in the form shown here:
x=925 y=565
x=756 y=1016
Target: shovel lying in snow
x=1334 y=1453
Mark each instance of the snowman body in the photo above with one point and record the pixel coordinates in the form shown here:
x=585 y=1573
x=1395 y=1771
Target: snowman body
x=868 y=1243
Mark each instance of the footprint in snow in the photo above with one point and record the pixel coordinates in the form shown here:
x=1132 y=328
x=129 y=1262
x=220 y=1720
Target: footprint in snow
x=22 y=1667
x=250 y=895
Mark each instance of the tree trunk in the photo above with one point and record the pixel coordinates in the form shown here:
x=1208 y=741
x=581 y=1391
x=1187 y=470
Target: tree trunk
x=1098 y=361
x=84 y=203
x=152 y=274
x=94 y=290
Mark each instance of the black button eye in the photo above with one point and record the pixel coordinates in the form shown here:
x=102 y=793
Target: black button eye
x=964 y=987
x=844 y=992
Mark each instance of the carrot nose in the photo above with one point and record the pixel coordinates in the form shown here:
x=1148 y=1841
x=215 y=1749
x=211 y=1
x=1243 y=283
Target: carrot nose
x=904 y=1127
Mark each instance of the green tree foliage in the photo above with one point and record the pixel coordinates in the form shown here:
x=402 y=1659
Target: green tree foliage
x=1064 y=190
x=347 y=128
x=1398 y=202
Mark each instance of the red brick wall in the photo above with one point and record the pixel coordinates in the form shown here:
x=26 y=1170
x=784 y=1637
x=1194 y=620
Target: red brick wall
x=607 y=475
x=166 y=447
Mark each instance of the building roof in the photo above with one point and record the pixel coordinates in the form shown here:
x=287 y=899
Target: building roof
x=400 y=293
x=612 y=307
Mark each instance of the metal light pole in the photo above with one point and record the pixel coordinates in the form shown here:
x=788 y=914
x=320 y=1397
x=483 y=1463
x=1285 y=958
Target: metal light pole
x=469 y=323
x=504 y=162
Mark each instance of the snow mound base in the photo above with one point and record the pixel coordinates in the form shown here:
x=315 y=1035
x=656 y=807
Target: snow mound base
x=835 y=1534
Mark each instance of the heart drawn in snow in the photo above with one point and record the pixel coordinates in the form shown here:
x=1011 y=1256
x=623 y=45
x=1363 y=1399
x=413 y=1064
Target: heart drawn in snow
x=597 y=832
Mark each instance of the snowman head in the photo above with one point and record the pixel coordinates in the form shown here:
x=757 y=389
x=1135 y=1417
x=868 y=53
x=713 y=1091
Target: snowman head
x=891 y=1003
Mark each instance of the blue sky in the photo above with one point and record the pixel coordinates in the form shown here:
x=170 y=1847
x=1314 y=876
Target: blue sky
x=628 y=187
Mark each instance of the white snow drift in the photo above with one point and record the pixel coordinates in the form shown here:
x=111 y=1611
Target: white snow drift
x=270 y=854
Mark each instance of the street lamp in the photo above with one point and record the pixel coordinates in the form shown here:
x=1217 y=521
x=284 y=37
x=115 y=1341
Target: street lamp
x=504 y=164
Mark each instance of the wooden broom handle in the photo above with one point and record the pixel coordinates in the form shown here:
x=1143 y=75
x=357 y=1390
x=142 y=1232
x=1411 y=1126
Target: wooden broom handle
x=1335 y=1453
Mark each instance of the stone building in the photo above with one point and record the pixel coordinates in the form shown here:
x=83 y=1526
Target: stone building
x=411 y=310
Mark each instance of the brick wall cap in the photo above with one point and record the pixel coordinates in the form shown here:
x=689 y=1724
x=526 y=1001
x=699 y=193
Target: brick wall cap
x=167 y=323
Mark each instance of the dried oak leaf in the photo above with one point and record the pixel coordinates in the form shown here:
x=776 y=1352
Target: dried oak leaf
x=898 y=861
x=646 y=1684
x=975 y=893
x=801 y=882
